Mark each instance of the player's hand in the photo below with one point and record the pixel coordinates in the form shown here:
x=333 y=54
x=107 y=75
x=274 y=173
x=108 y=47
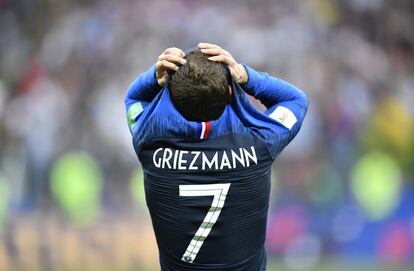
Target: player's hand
x=218 y=54
x=168 y=61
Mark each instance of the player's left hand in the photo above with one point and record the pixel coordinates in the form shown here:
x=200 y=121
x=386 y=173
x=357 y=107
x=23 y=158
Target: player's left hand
x=218 y=54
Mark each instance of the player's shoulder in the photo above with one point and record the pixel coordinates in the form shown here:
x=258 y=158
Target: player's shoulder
x=276 y=127
x=162 y=120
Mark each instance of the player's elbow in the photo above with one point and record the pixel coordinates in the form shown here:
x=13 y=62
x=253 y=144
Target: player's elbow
x=302 y=99
x=127 y=102
x=129 y=99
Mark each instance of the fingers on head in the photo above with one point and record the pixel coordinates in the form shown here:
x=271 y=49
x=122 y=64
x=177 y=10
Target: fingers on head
x=205 y=45
x=172 y=58
x=166 y=65
x=221 y=58
x=174 y=51
x=216 y=51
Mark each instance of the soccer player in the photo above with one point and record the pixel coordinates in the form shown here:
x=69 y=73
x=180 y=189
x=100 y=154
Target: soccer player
x=207 y=155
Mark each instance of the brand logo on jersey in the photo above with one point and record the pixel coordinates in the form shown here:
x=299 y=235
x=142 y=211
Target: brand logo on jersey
x=195 y=160
x=284 y=116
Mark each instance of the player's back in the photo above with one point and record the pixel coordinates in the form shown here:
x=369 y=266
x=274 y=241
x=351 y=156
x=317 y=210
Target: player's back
x=207 y=184
x=208 y=199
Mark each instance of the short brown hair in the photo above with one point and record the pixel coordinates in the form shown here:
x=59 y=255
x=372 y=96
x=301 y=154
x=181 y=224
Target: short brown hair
x=198 y=89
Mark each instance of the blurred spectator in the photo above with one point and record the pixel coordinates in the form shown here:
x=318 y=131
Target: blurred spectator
x=64 y=67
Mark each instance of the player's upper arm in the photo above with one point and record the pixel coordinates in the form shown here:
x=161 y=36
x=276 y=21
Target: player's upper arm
x=139 y=94
x=286 y=107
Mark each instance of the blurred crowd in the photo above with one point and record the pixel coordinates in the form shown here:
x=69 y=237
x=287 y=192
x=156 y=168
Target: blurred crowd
x=343 y=189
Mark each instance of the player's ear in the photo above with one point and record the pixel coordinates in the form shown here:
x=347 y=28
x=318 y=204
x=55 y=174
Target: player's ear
x=229 y=94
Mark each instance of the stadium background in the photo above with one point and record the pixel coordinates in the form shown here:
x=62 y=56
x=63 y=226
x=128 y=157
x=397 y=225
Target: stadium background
x=70 y=184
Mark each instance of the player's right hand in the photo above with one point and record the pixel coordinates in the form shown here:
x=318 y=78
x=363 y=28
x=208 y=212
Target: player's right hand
x=218 y=54
x=168 y=61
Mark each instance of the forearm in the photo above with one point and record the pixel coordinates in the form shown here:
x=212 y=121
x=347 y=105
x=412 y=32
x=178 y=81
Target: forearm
x=140 y=93
x=143 y=89
x=271 y=91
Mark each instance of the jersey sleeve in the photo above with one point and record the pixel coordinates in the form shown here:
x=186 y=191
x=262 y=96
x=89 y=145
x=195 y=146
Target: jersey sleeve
x=139 y=95
x=286 y=107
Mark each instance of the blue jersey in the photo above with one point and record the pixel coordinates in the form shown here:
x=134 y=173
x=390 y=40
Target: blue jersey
x=207 y=184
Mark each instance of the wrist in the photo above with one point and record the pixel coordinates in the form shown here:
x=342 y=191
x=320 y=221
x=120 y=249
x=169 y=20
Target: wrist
x=243 y=77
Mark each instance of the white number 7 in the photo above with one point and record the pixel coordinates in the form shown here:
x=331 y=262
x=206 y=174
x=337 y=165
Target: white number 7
x=219 y=191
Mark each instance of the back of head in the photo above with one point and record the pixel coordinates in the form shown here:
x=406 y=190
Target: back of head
x=198 y=89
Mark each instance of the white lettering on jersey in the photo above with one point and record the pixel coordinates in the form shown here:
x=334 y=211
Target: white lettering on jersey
x=167 y=158
x=213 y=161
x=196 y=155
